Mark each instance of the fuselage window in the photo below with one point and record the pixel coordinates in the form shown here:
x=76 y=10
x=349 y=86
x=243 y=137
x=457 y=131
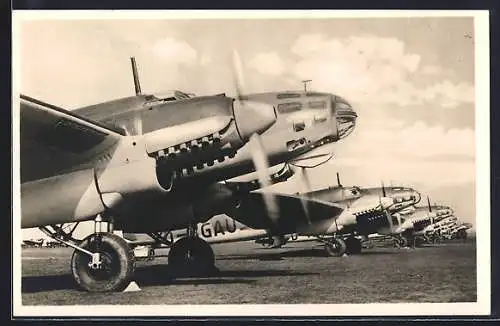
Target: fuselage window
x=287 y=95
x=299 y=126
x=289 y=107
x=317 y=104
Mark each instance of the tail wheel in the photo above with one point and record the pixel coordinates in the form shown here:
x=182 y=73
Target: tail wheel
x=117 y=264
x=335 y=247
x=353 y=246
x=191 y=255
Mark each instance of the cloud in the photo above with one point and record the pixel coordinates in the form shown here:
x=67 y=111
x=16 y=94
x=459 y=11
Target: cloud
x=417 y=154
x=431 y=70
x=370 y=69
x=173 y=51
x=448 y=94
x=386 y=137
x=205 y=59
x=268 y=63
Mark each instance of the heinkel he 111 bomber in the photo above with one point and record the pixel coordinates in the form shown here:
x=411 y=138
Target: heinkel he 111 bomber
x=149 y=164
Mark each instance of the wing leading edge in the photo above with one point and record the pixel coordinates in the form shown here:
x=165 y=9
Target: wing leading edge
x=54 y=140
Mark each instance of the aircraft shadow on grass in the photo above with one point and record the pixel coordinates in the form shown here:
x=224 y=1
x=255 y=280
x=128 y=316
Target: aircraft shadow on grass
x=159 y=275
x=281 y=255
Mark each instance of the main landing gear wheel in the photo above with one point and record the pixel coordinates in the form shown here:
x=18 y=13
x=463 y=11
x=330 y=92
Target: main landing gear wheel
x=114 y=270
x=191 y=256
x=335 y=247
x=353 y=246
x=402 y=242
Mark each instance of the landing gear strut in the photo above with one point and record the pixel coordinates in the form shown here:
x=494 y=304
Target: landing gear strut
x=191 y=255
x=102 y=262
x=400 y=242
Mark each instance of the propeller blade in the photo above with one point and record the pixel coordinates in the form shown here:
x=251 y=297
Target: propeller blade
x=261 y=165
x=386 y=213
x=307 y=182
x=383 y=189
x=389 y=219
x=338 y=180
x=238 y=74
x=305 y=178
x=258 y=153
x=429 y=204
x=259 y=159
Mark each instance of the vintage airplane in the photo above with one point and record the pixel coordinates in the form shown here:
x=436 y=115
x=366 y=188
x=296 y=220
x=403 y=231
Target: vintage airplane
x=413 y=225
x=460 y=231
x=454 y=230
x=150 y=164
x=363 y=211
x=432 y=232
x=34 y=243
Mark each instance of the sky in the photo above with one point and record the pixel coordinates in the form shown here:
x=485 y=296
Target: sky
x=411 y=81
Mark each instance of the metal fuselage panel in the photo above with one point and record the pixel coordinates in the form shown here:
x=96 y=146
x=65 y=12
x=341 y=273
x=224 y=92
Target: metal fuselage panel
x=176 y=211
x=200 y=198
x=293 y=134
x=157 y=114
x=43 y=202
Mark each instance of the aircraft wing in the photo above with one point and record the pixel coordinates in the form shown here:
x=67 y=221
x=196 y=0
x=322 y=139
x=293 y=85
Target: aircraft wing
x=54 y=140
x=285 y=213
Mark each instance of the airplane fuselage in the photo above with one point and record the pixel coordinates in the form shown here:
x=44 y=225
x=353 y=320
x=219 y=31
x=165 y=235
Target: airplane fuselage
x=305 y=122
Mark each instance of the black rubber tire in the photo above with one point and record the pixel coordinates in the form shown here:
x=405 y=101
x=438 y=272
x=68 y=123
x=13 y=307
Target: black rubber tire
x=403 y=242
x=353 y=246
x=335 y=249
x=118 y=257
x=200 y=262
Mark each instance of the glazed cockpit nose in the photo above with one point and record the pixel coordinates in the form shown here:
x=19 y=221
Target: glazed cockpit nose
x=253 y=117
x=416 y=196
x=346 y=118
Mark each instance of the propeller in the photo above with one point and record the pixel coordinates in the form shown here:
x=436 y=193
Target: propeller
x=239 y=83
x=386 y=213
x=307 y=182
x=383 y=189
x=257 y=151
x=338 y=180
x=429 y=204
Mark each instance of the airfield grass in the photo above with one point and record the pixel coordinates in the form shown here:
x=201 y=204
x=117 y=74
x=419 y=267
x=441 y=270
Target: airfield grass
x=297 y=274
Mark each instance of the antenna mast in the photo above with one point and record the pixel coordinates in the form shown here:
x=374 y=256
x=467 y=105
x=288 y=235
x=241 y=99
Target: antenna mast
x=305 y=84
x=137 y=84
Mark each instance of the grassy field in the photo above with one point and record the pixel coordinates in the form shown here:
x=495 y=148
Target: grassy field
x=252 y=274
